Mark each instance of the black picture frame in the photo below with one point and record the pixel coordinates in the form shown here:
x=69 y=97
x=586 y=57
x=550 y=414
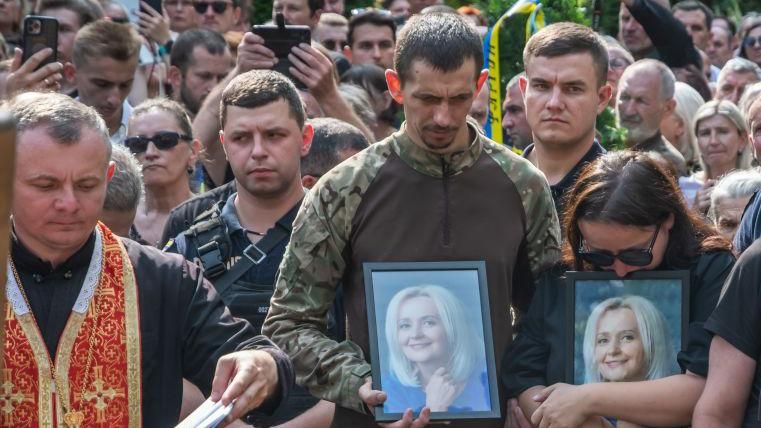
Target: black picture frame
x=667 y=291
x=466 y=280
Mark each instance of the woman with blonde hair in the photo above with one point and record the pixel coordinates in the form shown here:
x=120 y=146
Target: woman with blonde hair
x=641 y=349
x=676 y=126
x=435 y=358
x=722 y=136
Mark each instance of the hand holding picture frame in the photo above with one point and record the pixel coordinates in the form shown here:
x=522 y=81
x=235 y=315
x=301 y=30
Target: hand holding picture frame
x=625 y=329
x=431 y=339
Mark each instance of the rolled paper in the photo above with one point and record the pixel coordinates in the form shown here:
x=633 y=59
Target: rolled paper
x=7 y=160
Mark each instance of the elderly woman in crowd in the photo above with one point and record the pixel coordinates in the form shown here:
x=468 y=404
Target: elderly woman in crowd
x=723 y=141
x=435 y=360
x=676 y=126
x=629 y=329
x=626 y=214
x=729 y=198
x=160 y=135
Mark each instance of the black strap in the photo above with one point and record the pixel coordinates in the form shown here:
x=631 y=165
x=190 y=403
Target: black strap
x=255 y=253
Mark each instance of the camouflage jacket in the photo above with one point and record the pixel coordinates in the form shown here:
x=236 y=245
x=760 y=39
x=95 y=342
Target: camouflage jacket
x=398 y=202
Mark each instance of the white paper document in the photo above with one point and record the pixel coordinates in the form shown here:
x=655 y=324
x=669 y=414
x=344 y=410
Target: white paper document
x=207 y=415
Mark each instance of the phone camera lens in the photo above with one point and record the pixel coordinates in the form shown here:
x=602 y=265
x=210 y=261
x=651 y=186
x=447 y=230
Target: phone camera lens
x=36 y=26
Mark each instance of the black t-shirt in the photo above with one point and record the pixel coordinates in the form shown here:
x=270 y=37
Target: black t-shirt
x=737 y=320
x=538 y=354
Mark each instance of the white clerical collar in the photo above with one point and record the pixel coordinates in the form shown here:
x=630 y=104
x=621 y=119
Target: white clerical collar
x=92 y=279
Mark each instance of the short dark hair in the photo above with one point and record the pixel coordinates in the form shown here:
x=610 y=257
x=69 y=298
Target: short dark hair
x=693 y=5
x=730 y=23
x=331 y=137
x=87 y=10
x=182 y=49
x=442 y=40
x=373 y=17
x=107 y=39
x=258 y=88
x=566 y=38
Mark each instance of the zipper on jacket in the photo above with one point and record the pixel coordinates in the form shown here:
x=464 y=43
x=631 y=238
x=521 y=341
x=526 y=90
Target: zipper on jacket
x=445 y=182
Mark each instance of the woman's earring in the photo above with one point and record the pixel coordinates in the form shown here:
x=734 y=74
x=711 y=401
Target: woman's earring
x=190 y=170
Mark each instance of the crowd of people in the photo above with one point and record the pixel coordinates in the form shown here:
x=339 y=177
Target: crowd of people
x=189 y=224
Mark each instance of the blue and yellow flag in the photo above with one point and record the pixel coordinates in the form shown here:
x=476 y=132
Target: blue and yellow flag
x=531 y=12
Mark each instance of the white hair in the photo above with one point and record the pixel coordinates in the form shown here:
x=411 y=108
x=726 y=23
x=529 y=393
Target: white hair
x=465 y=346
x=739 y=65
x=654 y=333
x=688 y=101
x=736 y=184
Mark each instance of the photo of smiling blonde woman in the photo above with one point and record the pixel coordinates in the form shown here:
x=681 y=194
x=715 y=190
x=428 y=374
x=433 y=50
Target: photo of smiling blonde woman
x=435 y=358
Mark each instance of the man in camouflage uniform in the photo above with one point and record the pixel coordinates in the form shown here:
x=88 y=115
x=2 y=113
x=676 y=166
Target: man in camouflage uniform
x=437 y=190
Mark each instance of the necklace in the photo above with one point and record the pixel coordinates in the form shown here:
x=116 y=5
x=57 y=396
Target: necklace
x=71 y=417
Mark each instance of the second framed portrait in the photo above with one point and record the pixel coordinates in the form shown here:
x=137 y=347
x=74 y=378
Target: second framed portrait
x=625 y=329
x=431 y=339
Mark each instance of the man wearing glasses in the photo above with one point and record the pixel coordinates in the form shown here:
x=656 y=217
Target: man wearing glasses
x=218 y=15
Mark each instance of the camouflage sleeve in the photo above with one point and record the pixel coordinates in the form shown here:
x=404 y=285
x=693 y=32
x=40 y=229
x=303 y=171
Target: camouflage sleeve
x=312 y=268
x=542 y=225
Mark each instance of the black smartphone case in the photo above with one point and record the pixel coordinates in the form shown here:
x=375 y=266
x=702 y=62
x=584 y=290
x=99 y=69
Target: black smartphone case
x=34 y=41
x=281 y=40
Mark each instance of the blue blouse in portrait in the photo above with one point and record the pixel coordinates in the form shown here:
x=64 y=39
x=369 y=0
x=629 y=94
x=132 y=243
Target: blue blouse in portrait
x=474 y=397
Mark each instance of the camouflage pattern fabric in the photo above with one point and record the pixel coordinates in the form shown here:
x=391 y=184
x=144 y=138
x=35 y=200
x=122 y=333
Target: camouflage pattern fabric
x=317 y=256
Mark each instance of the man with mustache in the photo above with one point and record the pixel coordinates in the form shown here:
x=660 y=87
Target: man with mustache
x=645 y=96
x=418 y=195
x=565 y=88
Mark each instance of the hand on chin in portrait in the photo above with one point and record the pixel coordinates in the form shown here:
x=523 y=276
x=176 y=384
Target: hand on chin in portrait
x=441 y=391
x=373 y=398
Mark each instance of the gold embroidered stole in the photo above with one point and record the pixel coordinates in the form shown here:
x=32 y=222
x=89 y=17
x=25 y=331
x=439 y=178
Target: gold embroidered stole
x=110 y=394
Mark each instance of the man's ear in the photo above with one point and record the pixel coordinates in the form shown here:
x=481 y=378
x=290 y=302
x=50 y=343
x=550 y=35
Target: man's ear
x=523 y=84
x=307 y=136
x=481 y=80
x=347 y=52
x=603 y=95
x=670 y=106
x=236 y=14
x=111 y=170
x=174 y=76
x=394 y=86
x=308 y=181
x=69 y=71
x=222 y=141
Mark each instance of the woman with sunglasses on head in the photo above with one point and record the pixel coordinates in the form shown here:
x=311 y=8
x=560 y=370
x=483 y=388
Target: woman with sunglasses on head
x=160 y=135
x=625 y=214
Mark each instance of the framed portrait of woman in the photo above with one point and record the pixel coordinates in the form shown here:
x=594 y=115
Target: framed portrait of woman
x=625 y=329
x=431 y=339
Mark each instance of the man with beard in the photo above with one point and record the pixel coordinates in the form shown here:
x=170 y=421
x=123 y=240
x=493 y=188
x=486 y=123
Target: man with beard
x=645 y=96
x=200 y=60
x=429 y=181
